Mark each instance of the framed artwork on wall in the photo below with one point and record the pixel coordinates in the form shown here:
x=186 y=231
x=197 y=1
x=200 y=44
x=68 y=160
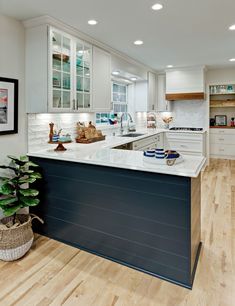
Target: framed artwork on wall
x=221 y=120
x=8 y=106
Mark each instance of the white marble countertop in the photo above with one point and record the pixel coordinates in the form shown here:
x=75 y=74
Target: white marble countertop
x=101 y=153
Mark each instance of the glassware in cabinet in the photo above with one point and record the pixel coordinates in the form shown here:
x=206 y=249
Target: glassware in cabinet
x=61 y=71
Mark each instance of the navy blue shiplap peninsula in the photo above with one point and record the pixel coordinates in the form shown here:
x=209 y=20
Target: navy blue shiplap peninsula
x=147 y=221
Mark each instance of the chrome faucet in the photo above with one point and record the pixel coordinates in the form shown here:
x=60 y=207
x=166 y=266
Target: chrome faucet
x=129 y=120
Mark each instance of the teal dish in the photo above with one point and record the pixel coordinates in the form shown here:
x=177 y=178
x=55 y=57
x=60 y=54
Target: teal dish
x=78 y=62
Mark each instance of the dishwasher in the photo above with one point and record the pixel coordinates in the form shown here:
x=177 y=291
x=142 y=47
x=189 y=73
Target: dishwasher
x=143 y=144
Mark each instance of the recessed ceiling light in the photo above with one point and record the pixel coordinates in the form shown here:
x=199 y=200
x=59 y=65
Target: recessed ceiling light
x=169 y=66
x=157 y=7
x=115 y=72
x=232 y=27
x=92 y=22
x=133 y=79
x=232 y=60
x=138 y=42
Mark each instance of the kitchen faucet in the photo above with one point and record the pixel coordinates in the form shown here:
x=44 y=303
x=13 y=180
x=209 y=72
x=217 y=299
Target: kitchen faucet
x=129 y=120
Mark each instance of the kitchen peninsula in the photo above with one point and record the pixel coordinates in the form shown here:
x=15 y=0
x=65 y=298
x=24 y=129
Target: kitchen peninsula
x=114 y=204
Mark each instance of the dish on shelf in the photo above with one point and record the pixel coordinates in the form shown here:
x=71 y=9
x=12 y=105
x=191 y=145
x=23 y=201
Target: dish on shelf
x=63 y=57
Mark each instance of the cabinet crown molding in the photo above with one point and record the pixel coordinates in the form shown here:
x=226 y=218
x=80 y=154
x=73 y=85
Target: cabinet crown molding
x=51 y=21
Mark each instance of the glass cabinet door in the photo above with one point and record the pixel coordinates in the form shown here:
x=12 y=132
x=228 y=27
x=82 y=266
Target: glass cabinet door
x=83 y=76
x=61 y=71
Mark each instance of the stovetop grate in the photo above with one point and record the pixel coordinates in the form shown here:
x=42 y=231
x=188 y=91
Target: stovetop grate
x=185 y=129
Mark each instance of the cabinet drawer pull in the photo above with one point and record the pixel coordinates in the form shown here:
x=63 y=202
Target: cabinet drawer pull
x=74 y=104
x=221 y=139
x=221 y=150
x=183 y=146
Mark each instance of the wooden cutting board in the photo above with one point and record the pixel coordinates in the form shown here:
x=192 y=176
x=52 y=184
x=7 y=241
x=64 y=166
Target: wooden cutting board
x=91 y=140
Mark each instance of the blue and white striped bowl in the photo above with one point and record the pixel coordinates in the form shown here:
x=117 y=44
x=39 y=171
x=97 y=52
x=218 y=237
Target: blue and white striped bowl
x=55 y=138
x=160 y=153
x=149 y=153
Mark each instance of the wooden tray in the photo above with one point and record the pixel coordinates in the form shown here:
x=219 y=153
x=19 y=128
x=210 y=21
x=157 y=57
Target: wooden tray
x=91 y=140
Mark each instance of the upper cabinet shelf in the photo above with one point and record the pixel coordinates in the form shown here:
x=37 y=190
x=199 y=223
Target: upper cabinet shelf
x=216 y=90
x=222 y=96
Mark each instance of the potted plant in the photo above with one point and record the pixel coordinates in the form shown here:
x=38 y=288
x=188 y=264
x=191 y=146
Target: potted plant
x=16 y=235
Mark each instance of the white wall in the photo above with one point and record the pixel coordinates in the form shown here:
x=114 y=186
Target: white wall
x=220 y=76
x=12 y=65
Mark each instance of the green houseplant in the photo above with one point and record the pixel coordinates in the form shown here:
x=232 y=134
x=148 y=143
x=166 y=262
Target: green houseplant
x=16 y=193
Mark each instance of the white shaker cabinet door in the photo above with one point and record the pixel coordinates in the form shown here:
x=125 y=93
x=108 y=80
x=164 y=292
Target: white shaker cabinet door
x=162 y=104
x=101 y=80
x=151 y=91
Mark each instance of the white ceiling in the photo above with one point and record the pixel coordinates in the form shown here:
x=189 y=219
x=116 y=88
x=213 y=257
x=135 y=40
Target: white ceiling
x=184 y=33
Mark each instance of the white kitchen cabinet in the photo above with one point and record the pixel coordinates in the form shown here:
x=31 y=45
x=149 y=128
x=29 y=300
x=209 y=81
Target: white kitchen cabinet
x=222 y=143
x=145 y=94
x=162 y=104
x=186 y=143
x=58 y=71
x=101 y=80
x=141 y=96
x=70 y=73
x=151 y=91
x=36 y=69
x=151 y=142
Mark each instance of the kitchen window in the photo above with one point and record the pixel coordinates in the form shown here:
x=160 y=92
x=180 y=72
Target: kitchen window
x=119 y=97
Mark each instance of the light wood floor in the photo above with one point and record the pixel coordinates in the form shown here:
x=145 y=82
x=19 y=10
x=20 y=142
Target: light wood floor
x=56 y=274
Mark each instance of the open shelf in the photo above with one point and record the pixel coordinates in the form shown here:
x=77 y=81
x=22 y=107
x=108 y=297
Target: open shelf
x=222 y=103
x=222 y=93
x=222 y=127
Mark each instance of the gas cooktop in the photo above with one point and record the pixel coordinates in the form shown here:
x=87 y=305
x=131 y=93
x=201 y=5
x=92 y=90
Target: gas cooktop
x=185 y=129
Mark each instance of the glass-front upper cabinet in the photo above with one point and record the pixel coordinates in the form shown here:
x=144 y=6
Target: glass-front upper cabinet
x=83 y=75
x=61 y=71
x=71 y=73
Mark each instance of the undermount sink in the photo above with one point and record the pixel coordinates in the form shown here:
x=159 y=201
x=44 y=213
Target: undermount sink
x=132 y=135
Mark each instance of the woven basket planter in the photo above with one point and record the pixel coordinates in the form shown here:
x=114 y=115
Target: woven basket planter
x=16 y=242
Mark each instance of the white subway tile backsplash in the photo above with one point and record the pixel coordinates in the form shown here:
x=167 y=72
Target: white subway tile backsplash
x=38 y=126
